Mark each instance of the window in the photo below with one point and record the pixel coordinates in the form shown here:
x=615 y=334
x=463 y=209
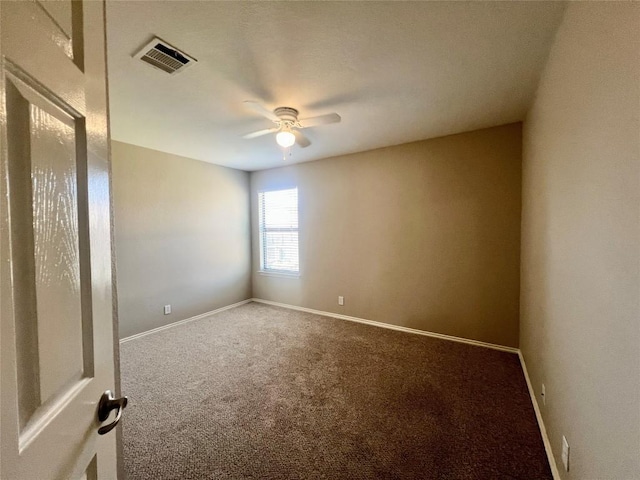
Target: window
x=278 y=212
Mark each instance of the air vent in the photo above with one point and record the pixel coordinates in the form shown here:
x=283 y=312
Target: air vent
x=161 y=55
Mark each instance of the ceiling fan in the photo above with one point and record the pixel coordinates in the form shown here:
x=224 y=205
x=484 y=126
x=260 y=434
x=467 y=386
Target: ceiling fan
x=287 y=124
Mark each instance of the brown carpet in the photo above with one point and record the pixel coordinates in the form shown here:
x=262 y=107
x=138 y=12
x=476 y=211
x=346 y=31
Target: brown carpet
x=260 y=392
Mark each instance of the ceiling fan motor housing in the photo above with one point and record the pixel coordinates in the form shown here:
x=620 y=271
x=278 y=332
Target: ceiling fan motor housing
x=287 y=114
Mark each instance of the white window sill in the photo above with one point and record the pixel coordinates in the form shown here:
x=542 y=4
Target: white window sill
x=275 y=273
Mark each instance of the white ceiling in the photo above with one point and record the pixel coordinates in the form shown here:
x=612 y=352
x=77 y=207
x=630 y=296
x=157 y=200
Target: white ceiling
x=395 y=71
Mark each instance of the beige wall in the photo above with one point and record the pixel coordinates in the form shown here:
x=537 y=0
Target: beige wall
x=424 y=235
x=580 y=327
x=181 y=236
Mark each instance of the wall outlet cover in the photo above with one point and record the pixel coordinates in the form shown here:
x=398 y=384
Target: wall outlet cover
x=340 y=300
x=167 y=309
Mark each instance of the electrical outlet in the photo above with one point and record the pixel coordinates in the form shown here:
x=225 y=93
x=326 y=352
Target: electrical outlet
x=543 y=394
x=167 y=309
x=340 y=300
x=565 y=453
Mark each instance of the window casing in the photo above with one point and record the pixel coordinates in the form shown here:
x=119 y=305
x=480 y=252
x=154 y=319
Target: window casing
x=278 y=223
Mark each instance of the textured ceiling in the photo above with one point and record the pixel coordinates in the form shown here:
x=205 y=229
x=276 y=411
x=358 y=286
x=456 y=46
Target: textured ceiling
x=395 y=71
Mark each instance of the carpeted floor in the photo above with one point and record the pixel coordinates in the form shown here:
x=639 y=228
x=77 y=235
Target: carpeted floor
x=260 y=392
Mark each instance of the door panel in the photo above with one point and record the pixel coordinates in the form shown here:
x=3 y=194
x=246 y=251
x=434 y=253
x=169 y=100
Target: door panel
x=61 y=14
x=45 y=169
x=56 y=330
x=57 y=268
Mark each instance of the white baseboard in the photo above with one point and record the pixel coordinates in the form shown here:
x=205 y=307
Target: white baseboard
x=390 y=326
x=543 y=431
x=182 y=322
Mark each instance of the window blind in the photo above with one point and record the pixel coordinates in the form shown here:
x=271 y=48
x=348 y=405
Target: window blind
x=278 y=212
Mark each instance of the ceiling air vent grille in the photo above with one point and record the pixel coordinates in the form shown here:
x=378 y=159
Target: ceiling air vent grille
x=161 y=55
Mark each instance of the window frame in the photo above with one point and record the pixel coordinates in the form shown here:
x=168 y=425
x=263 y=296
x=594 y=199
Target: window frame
x=264 y=269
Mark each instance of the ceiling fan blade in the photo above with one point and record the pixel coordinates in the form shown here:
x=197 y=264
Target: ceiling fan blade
x=301 y=140
x=262 y=110
x=260 y=133
x=320 y=120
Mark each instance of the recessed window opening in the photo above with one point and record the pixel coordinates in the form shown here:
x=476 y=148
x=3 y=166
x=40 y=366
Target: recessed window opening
x=278 y=212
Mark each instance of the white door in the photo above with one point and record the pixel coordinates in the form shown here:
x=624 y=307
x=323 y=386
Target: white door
x=56 y=317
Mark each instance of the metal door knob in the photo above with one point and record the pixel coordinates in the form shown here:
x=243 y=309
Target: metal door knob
x=105 y=405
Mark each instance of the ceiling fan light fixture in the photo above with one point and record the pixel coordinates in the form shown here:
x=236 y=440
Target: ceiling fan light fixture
x=285 y=138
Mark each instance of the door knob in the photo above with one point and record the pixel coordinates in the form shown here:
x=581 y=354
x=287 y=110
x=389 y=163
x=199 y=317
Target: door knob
x=105 y=405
